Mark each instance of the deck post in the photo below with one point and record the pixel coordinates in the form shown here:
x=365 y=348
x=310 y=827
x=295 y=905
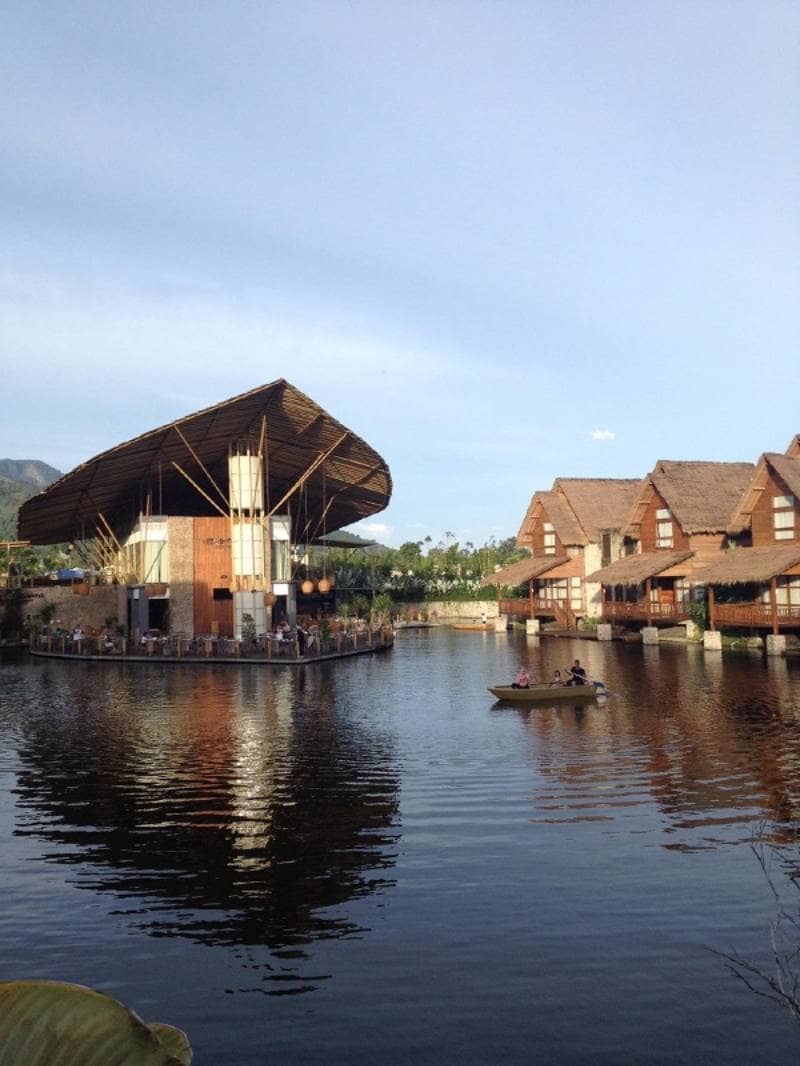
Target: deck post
x=773 y=602
x=648 y=604
x=711 y=624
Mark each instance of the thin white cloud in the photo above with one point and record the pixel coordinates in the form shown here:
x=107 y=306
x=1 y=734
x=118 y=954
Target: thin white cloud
x=602 y=434
x=372 y=529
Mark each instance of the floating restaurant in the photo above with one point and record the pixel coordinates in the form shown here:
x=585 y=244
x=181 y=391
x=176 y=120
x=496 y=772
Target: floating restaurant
x=197 y=535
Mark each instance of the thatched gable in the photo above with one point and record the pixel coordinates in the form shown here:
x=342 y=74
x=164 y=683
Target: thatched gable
x=598 y=503
x=700 y=495
x=787 y=468
x=524 y=570
x=634 y=569
x=558 y=512
x=749 y=565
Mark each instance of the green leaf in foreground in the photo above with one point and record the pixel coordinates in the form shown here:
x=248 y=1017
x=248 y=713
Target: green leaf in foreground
x=42 y=1022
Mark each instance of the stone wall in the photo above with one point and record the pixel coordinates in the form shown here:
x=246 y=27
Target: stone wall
x=453 y=610
x=180 y=543
x=104 y=602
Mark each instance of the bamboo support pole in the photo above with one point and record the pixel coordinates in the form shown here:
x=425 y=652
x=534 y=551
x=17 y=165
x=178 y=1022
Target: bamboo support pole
x=199 y=462
x=195 y=486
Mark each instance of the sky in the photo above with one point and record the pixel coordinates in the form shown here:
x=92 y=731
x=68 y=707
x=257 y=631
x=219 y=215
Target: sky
x=502 y=241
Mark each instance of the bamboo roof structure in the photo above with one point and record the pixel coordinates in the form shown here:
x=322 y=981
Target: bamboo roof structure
x=743 y=566
x=634 y=569
x=352 y=483
x=518 y=573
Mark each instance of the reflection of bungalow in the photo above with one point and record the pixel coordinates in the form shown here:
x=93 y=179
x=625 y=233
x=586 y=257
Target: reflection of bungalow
x=678 y=523
x=760 y=585
x=574 y=527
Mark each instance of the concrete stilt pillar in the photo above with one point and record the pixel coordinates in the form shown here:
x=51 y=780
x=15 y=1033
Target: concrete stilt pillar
x=605 y=632
x=532 y=627
x=650 y=635
x=776 y=644
x=501 y=623
x=712 y=640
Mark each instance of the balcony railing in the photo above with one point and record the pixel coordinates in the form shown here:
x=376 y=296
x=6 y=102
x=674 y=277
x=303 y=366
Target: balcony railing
x=755 y=614
x=644 y=611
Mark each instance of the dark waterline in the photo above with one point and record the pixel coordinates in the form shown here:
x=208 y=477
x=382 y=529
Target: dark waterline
x=371 y=861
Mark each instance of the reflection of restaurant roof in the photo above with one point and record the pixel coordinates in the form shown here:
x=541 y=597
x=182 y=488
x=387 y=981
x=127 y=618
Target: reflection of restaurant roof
x=634 y=569
x=744 y=565
x=352 y=483
x=518 y=573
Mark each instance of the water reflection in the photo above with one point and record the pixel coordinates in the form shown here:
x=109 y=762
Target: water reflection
x=236 y=808
x=713 y=740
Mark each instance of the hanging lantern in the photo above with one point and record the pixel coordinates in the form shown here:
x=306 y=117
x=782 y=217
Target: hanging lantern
x=270 y=599
x=307 y=587
x=325 y=585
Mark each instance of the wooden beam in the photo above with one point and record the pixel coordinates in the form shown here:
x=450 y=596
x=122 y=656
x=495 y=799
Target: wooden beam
x=195 y=486
x=309 y=471
x=773 y=602
x=711 y=620
x=200 y=463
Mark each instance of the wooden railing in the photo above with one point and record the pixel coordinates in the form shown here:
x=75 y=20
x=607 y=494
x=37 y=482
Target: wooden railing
x=515 y=608
x=642 y=611
x=755 y=614
x=208 y=647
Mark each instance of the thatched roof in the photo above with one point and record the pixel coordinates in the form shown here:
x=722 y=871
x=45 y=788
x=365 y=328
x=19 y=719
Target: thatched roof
x=524 y=570
x=786 y=467
x=353 y=482
x=634 y=569
x=788 y=470
x=745 y=565
x=700 y=495
x=598 y=503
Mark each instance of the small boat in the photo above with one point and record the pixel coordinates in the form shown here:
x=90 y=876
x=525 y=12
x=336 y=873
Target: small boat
x=484 y=627
x=550 y=693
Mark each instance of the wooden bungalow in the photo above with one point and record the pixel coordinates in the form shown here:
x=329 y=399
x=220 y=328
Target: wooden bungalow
x=679 y=522
x=759 y=586
x=573 y=527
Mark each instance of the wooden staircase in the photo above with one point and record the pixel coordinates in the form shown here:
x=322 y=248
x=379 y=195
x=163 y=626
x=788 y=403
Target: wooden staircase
x=565 y=617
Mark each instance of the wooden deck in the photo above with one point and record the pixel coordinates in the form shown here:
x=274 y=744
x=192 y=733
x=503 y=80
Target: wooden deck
x=212 y=649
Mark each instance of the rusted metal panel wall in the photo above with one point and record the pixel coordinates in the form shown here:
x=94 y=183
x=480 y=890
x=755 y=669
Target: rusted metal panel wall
x=213 y=569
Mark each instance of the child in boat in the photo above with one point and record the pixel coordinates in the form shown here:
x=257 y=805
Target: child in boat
x=557 y=681
x=523 y=679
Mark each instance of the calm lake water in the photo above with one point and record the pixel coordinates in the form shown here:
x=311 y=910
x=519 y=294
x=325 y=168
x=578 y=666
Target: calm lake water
x=371 y=861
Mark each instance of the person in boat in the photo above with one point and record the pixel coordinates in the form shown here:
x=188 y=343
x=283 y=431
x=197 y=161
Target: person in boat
x=483 y=618
x=557 y=681
x=577 y=674
x=523 y=679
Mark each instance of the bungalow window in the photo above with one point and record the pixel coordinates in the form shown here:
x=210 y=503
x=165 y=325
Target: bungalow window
x=549 y=538
x=783 y=517
x=663 y=528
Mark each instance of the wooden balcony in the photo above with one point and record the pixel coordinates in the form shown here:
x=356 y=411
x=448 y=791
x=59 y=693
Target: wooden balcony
x=755 y=615
x=645 y=611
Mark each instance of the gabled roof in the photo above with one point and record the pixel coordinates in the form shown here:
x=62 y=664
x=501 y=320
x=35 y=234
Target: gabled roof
x=745 y=565
x=634 y=569
x=598 y=503
x=517 y=573
x=352 y=483
x=700 y=495
x=793 y=449
x=559 y=513
x=788 y=470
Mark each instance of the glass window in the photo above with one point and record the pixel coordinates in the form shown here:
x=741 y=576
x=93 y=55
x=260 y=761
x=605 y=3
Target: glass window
x=663 y=512
x=784 y=534
x=783 y=519
x=782 y=501
x=664 y=535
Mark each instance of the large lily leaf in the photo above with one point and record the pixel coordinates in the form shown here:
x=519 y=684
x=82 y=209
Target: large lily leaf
x=46 y=1022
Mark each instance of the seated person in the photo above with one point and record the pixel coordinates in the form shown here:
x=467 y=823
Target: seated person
x=557 y=680
x=577 y=674
x=523 y=679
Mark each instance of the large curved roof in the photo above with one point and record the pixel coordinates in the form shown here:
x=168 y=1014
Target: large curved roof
x=352 y=482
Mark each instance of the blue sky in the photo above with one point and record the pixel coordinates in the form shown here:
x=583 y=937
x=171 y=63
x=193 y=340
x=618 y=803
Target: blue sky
x=501 y=241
